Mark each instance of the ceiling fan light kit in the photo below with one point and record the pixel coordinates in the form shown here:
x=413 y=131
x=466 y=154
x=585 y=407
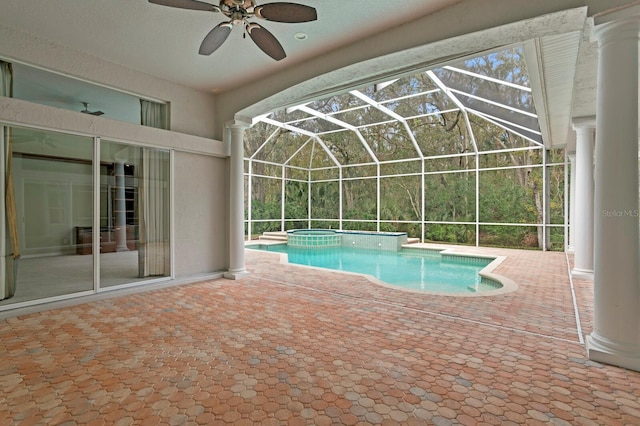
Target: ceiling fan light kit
x=239 y=12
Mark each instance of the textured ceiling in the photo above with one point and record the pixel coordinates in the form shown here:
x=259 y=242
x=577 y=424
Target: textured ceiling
x=164 y=41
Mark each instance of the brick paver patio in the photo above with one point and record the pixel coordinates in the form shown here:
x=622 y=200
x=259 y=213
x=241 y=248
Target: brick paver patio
x=293 y=345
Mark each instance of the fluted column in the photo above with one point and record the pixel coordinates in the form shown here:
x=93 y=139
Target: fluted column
x=235 y=133
x=584 y=188
x=616 y=335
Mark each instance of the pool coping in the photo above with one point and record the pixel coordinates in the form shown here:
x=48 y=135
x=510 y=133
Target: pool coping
x=508 y=285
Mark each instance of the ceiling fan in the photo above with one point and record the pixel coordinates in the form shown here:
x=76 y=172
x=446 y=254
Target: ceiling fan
x=239 y=12
x=86 y=110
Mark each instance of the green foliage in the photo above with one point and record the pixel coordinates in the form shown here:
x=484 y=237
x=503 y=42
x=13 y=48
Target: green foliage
x=504 y=200
x=557 y=238
x=295 y=200
x=508 y=236
x=359 y=199
x=360 y=226
x=262 y=210
x=442 y=133
x=450 y=197
x=456 y=234
x=324 y=200
x=321 y=224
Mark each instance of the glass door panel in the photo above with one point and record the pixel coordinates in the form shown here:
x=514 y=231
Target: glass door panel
x=134 y=214
x=51 y=177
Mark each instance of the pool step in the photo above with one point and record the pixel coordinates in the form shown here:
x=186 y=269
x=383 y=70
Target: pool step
x=274 y=236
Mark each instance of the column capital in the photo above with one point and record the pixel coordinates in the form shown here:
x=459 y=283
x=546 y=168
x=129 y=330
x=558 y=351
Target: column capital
x=616 y=15
x=237 y=124
x=123 y=155
x=588 y=122
x=615 y=24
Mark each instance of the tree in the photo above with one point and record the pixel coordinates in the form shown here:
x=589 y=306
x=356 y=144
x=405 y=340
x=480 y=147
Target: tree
x=445 y=135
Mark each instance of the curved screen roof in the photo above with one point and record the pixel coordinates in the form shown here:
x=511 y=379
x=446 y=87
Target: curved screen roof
x=388 y=119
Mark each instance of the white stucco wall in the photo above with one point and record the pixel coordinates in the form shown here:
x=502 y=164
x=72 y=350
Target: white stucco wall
x=201 y=171
x=192 y=111
x=18 y=112
x=200 y=216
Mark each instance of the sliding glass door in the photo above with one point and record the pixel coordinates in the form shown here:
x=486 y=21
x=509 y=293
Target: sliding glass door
x=49 y=179
x=64 y=214
x=134 y=214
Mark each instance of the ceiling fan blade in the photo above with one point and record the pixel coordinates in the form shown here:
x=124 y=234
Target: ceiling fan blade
x=86 y=110
x=215 y=38
x=187 y=4
x=266 y=41
x=286 y=12
x=96 y=113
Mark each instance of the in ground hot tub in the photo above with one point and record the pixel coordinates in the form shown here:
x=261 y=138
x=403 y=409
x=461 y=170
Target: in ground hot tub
x=313 y=238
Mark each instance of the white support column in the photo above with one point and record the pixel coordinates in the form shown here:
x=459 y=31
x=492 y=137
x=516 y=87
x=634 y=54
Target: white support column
x=340 y=196
x=572 y=204
x=283 y=199
x=309 y=206
x=249 y=189
x=121 y=208
x=236 y=200
x=583 y=216
x=477 y=224
x=3 y=227
x=546 y=212
x=616 y=336
x=378 y=197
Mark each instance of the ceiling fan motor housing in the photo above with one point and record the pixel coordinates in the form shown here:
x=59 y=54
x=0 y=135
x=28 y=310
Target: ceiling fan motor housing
x=239 y=12
x=243 y=4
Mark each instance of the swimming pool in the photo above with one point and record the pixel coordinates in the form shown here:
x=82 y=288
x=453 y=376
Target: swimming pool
x=420 y=270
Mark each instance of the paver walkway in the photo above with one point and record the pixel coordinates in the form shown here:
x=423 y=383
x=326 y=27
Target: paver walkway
x=293 y=345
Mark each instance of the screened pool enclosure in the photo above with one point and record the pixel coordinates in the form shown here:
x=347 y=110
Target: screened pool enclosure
x=453 y=154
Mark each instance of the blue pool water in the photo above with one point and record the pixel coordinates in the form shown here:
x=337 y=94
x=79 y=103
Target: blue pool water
x=409 y=269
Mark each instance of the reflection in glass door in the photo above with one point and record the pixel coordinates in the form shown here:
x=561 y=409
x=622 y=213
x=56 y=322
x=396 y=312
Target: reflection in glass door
x=134 y=214
x=51 y=232
x=52 y=184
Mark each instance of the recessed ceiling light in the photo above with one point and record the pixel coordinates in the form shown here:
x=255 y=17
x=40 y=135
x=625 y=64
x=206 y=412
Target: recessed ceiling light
x=300 y=36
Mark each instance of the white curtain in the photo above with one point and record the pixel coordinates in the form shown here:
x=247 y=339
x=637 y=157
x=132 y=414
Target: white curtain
x=154 y=259
x=9 y=262
x=6 y=79
x=153 y=252
x=153 y=114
